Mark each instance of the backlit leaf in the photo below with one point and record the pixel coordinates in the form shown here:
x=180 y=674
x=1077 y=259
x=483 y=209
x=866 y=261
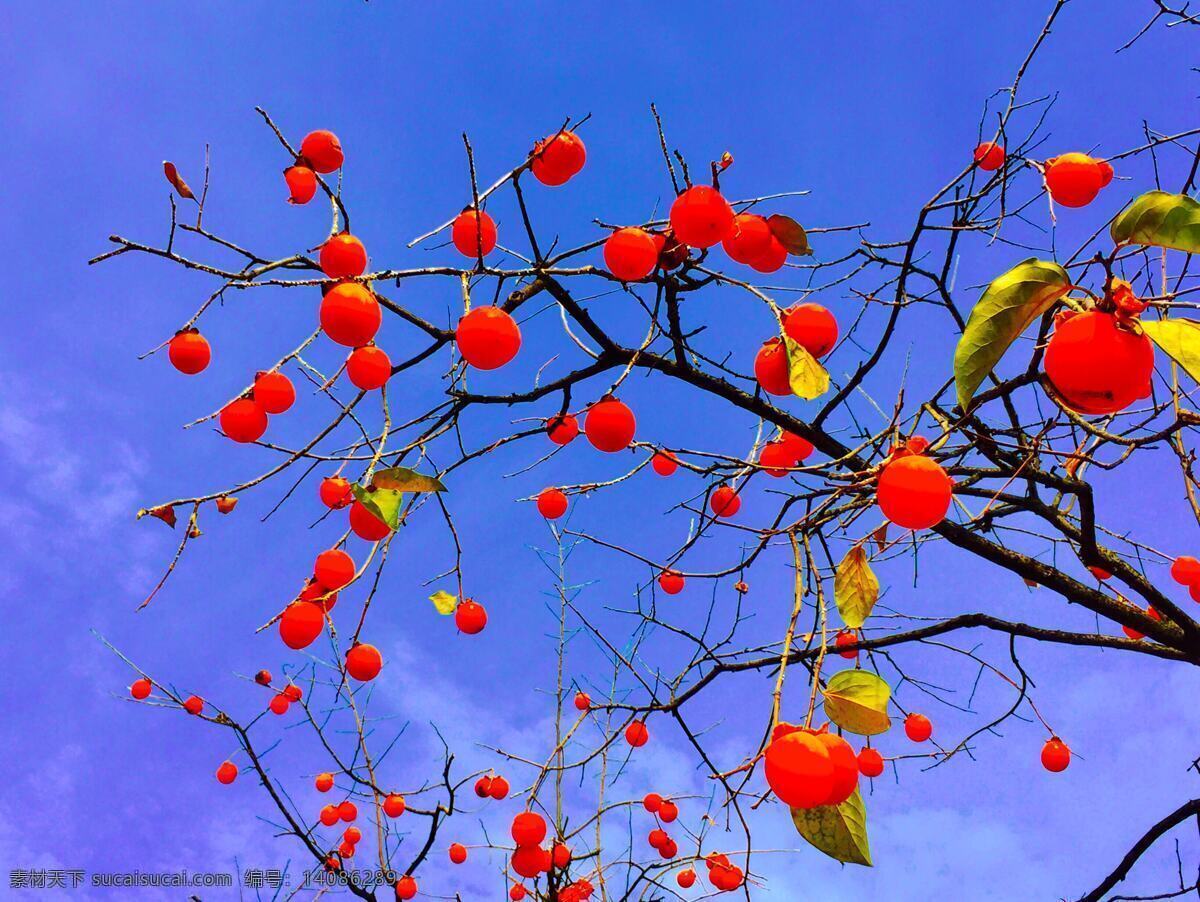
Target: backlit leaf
x=840 y=831
x=1179 y=339
x=1008 y=306
x=383 y=503
x=808 y=378
x=444 y=601
x=857 y=701
x=1160 y=219
x=176 y=180
x=855 y=588
x=790 y=234
x=402 y=479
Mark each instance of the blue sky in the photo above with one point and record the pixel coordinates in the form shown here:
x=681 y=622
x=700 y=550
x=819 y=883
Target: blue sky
x=871 y=109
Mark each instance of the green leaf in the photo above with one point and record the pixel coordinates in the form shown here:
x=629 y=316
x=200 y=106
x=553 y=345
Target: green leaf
x=857 y=701
x=807 y=377
x=383 y=503
x=840 y=831
x=1160 y=219
x=1008 y=306
x=444 y=601
x=790 y=234
x=855 y=588
x=402 y=479
x=1179 y=339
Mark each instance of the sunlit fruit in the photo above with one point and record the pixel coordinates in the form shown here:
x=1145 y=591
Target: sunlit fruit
x=917 y=727
x=322 y=597
x=293 y=692
x=329 y=815
x=560 y=855
x=243 y=420
x=686 y=878
x=363 y=662
x=302 y=184
x=870 y=762
x=470 y=617
x=914 y=492
x=1074 y=179
x=701 y=217
x=526 y=861
x=335 y=492
x=1055 y=755
x=1096 y=366
x=799 y=448
x=772 y=257
x=274 y=392
x=528 y=828
x=775 y=459
x=552 y=503
x=812 y=327
x=406 y=888
x=724 y=502
x=667 y=811
x=343 y=256
x=652 y=801
x=516 y=892
x=771 y=368
x=458 y=853
x=637 y=734
x=843 y=639
x=664 y=463
x=1185 y=570
x=657 y=838
x=989 y=156
x=498 y=788
x=610 y=425
x=630 y=254
x=557 y=157
x=799 y=769
x=352 y=835
x=300 y=624
x=334 y=569
x=562 y=429
x=279 y=704
x=473 y=233
x=322 y=150
x=140 y=688
x=350 y=315
x=483 y=787
x=365 y=525
x=670 y=582
x=394 y=804
x=227 y=772
x=748 y=239
x=845 y=768
x=583 y=701
x=324 y=782
x=189 y=352
x=368 y=368
x=488 y=338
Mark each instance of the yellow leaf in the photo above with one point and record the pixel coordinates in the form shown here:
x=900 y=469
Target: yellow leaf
x=444 y=601
x=807 y=377
x=1160 y=219
x=402 y=479
x=1179 y=339
x=383 y=503
x=857 y=701
x=840 y=831
x=790 y=234
x=855 y=588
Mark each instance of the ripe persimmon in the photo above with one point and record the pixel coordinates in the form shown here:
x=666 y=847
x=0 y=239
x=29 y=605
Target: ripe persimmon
x=686 y=878
x=664 y=463
x=406 y=888
x=799 y=448
x=560 y=855
x=322 y=150
x=562 y=429
x=335 y=492
x=799 y=769
x=516 y=892
x=324 y=782
x=652 y=801
x=227 y=772
x=243 y=421
x=670 y=582
x=473 y=233
x=189 y=352
x=913 y=491
x=488 y=338
x=193 y=704
x=668 y=811
x=551 y=503
x=322 y=597
x=870 y=762
x=343 y=256
x=329 y=815
x=394 y=805
x=811 y=326
x=470 y=617
x=772 y=257
x=583 y=701
x=458 y=853
x=526 y=861
x=557 y=157
x=701 y=217
x=300 y=624
x=771 y=367
x=1096 y=365
x=749 y=238
x=498 y=788
x=989 y=156
x=1074 y=179
x=367 y=526
x=917 y=727
x=843 y=639
x=609 y=425
x=302 y=184
x=637 y=734
x=630 y=254
x=363 y=662
x=140 y=688
x=775 y=458
x=274 y=392
x=334 y=569
x=1185 y=570
x=368 y=367
x=347 y=811
x=845 y=768
x=1055 y=755
x=350 y=314
x=528 y=828
x=724 y=501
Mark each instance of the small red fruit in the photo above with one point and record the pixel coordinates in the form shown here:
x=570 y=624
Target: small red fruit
x=458 y=853
x=343 y=256
x=776 y=459
x=320 y=596
x=140 y=688
x=799 y=769
x=636 y=734
x=701 y=217
x=189 y=352
x=274 y=392
x=560 y=855
x=610 y=425
x=914 y=492
x=1055 y=755
x=488 y=338
x=551 y=503
x=657 y=838
x=526 y=861
x=335 y=492
x=347 y=811
x=668 y=850
x=470 y=617
x=772 y=258
x=800 y=448
x=498 y=789
x=668 y=811
x=243 y=420
x=845 y=768
x=870 y=762
x=771 y=368
x=811 y=326
x=583 y=701
x=302 y=184
x=406 y=888
x=1100 y=573
x=652 y=802
x=516 y=893
x=227 y=772
x=279 y=704
x=562 y=429
x=302 y=622
x=363 y=662
x=989 y=156
x=1074 y=179
x=670 y=582
x=263 y=678
x=352 y=835
x=483 y=787
x=225 y=504
x=334 y=569
x=558 y=157
x=346 y=849
x=630 y=254
x=686 y=878
x=368 y=368
x=193 y=704
x=917 y=727
x=528 y=828
x=724 y=502
x=350 y=315
x=324 y=782
x=394 y=804
x=664 y=463
x=329 y=815
x=1185 y=570
x=1097 y=366
x=366 y=525
x=750 y=238
x=473 y=234
x=845 y=638
x=322 y=150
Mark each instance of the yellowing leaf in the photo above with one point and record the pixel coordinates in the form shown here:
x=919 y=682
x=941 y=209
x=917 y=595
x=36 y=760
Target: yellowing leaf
x=1160 y=219
x=840 y=831
x=444 y=601
x=857 y=701
x=402 y=479
x=855 y=588
x=383 y=503
x=790 y=234
x=1008 y=306
x=1179 y=339
x=807 y=377
x=176 y=180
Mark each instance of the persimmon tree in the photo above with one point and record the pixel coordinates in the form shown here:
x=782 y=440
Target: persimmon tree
x=1068 y=365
